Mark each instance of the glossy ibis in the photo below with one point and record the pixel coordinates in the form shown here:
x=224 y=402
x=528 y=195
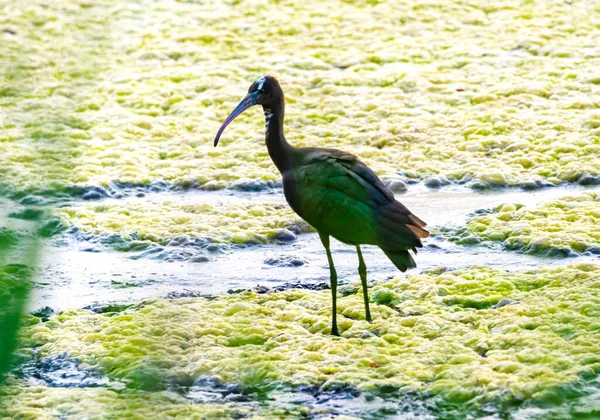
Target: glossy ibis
x=335 y=193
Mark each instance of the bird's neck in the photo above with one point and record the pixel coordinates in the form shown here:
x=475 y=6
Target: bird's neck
x=278 y=147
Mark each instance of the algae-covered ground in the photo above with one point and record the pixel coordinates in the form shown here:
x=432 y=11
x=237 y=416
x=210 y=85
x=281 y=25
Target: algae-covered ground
x=563 y=227
x=121 y=97
x=472 y=337
x=239 y=222
x=504 y=92
x=39 y=402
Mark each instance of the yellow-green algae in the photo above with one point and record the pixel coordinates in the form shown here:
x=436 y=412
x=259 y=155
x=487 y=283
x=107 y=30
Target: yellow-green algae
x=134 y=90
x=568 y=225
x=19 y=401
x=39 y=402
x=431 y=332
x=162 y=221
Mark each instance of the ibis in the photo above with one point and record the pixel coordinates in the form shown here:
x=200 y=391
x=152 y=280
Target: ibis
x=334 y=192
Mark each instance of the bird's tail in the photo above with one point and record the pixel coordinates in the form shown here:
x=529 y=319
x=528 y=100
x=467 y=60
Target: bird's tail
x=401 y=259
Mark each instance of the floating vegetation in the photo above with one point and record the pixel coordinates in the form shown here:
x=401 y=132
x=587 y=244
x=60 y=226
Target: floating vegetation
x=40 y=402
x=171 y=222
x=468 y=336
x=120 y=98
x=502 y=94
x=563 y=227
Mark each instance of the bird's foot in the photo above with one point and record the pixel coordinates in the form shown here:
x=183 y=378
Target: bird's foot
x=334 y=331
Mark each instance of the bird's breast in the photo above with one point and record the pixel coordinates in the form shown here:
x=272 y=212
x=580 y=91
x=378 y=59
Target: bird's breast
x=292 y=193
x=302 y=200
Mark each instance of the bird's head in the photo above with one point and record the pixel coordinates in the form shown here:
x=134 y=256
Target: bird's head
x=264 y=91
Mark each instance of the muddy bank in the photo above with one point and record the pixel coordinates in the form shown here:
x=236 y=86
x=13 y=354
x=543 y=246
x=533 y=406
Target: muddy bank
x=211 y=399
x=118 y=189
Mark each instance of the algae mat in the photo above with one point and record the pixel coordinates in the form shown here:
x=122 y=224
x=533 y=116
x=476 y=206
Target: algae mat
x=133 y=91
x=469 y=337
x=163 y=221
x=38 y=402
x=564 y=227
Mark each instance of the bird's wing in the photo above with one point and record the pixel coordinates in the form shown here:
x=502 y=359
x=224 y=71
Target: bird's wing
x=356 y=187
x=376 y=189
x=343 y=171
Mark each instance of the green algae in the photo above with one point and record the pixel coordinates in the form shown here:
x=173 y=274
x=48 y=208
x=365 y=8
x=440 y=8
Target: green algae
x=39 y=402
x=436 y=333
x=160 y=222
x=557 y=228
x=50 y=59
x=503 y=93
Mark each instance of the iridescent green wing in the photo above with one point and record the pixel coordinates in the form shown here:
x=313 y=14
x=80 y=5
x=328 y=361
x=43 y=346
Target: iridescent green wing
x=339 y=195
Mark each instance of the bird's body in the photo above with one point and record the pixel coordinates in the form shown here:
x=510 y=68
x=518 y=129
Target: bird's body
x=339 y=196
x=335 y=192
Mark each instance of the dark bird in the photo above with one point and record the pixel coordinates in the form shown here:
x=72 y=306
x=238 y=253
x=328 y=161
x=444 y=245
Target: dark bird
x=335 y=193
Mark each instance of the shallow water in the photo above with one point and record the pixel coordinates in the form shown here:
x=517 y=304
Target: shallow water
x=74 y=274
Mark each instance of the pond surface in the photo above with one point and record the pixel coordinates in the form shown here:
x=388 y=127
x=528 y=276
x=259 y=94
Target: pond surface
x=131 y=93
x=75 y=274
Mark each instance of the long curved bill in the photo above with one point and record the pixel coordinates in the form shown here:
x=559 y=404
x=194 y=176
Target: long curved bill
x=247 y=102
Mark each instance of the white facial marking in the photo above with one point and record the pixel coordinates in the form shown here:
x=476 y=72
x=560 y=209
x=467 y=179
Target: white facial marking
x=260 y=82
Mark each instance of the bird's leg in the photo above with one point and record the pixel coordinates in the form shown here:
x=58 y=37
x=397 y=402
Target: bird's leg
x=333 y=280
x=362 y=271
